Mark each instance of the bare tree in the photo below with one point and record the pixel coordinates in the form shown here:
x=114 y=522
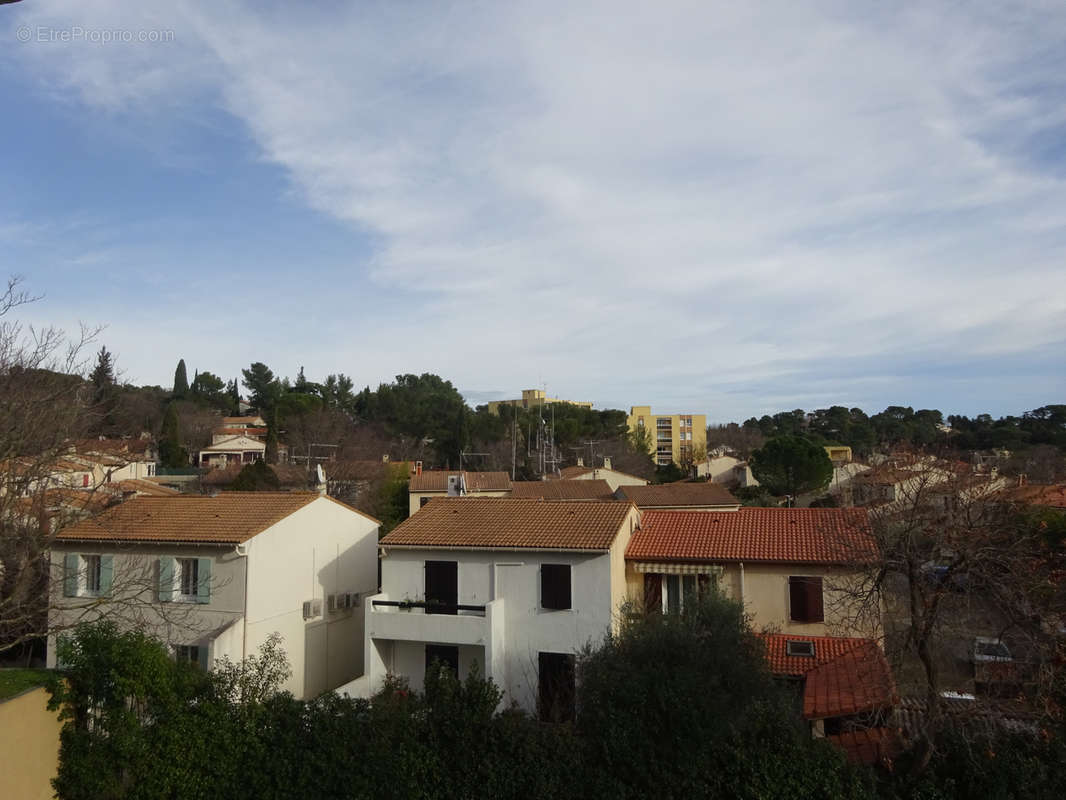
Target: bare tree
x=957 y=563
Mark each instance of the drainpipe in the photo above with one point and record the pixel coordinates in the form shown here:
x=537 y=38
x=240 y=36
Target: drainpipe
x=242 y=551
x=742 y=583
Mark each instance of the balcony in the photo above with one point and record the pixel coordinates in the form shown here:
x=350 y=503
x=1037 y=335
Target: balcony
x=415 y=621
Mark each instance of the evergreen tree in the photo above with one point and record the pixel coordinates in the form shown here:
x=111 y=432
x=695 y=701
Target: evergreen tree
x=105 y=392
x=181 y=380
x=171 y=453
x=272 y=437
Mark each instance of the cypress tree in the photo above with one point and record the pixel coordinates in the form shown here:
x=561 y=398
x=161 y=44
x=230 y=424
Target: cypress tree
x=181 y=380
x=171 y=453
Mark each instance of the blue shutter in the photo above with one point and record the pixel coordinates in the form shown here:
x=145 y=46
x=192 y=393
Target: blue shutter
x=166 y=579
x=203 y=579
x=70 y=575
x=201 y=655
x=107 y=571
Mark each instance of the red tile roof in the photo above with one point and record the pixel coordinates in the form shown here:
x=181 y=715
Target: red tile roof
x=697 y=495
x=860 y=680
x=437 y=481
x=503 y=523
x=228 y=518
x=572 y=473
x=846 y=676
x=597 y=489
x=1050 y=495
x=778 y=535
x=142 y=487
x=826 y=648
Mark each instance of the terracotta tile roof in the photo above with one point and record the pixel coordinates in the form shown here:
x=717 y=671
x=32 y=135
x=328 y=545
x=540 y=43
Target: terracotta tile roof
x=859 y=680
x=240 y=431
x=571 y=473
x=778 y=535
x=437 y=481
x=887 y=476
x=869 y=745
x=846 y=676
x=290 y=475
x=597 y=489
x=567 y=473
x=503 y=523
x=1035 y=494
x=235 y=444
x=243 y=421
x=228 y=518
x=826 y=649
x=143 y=487
x=132 y=449
x=679 y=494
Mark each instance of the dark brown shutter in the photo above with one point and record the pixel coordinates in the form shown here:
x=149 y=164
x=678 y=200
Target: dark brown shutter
x=815 y=609
x=797 y=600
x=555 y=586
x=653 y=593
x=442 y=587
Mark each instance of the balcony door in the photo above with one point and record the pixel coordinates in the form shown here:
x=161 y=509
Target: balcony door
x=442 y=587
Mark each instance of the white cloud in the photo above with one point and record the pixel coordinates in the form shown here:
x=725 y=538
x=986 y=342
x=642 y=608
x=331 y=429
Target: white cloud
x=700 y=192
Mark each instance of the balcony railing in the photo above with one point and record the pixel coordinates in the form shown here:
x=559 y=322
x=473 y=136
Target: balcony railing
x=431 y=607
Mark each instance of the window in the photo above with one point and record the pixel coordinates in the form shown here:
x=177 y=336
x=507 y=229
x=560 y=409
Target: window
x=674 y=593
x=423 y=500
x=442 y=587
x=556 y=690
x=186 y=580
x=86 y=575
x=92 y=574
x=445 y=656
x=192 y=654
x=794 y=647
x=555 y=586
x=805 y=599
x=188 y=577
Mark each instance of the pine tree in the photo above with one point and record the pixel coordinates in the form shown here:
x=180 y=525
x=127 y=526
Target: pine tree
x=271 y=453
x=181 y=380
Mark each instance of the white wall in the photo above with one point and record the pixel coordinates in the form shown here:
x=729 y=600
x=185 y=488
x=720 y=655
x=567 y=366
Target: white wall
x=322 y=549
x=515 y=628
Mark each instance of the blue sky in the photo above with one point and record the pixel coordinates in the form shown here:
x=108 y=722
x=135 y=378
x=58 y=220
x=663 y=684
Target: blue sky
x=720 y=208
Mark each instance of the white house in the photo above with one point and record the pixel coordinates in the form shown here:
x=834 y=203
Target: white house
x=516 y=587
x=216 y=576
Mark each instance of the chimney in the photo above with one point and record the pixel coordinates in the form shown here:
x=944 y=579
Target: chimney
x=418 y=468
x=606 y=462
x=385 y=458
x=580 y=461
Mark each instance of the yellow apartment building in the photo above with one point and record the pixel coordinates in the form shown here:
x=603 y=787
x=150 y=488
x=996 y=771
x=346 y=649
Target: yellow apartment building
x=531 y=398
x=680 y=438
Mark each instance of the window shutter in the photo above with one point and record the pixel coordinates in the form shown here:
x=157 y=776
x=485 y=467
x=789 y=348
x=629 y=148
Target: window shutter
x=201 y=656
x=797 y=600
x=70 y=575
x=815 y=608
x=107 y=573
x=653 y=592
x=203 y=576
x=166 y=579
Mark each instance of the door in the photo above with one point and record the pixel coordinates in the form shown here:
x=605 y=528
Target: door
x=442 y=587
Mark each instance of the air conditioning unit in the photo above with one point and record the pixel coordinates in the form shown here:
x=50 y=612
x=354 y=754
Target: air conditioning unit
x=312 y=609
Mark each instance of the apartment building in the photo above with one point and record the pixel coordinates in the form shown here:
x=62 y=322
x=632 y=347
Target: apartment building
x=674 y=438
x=531 y=398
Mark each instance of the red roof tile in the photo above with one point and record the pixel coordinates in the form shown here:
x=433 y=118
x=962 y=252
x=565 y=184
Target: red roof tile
x=845 y=676
x=779 y=535
x=562 y=490
x=503 y=523
x=437 y=481
x=228 y=518
x=859 y=680
x=700 y=495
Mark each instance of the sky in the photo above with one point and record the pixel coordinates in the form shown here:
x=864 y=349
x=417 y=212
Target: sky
x=720 y=208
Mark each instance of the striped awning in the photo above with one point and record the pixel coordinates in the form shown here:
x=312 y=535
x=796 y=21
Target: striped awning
x=677 y=569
